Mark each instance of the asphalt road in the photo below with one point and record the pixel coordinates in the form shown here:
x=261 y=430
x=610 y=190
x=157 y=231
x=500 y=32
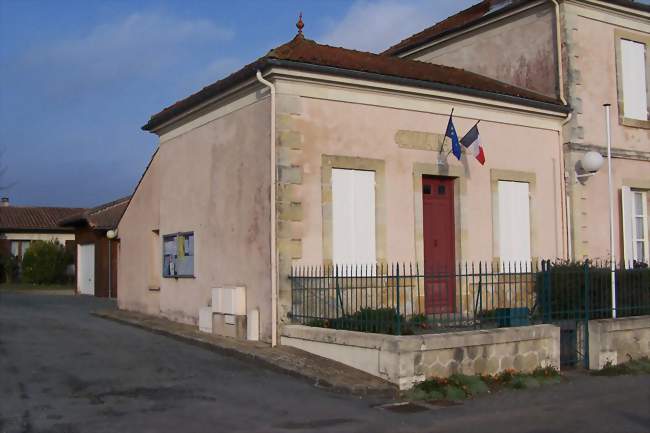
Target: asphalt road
x=62 y=370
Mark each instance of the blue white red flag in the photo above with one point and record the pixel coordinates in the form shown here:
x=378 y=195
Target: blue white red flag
x=472 y=142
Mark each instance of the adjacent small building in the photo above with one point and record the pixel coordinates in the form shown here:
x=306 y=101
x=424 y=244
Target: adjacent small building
x=96 y=246
x=21 y=225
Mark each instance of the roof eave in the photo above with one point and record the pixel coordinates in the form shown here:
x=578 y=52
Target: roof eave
x=64 y=230
x=489 y=16
x=309 y=67
x=195 y=102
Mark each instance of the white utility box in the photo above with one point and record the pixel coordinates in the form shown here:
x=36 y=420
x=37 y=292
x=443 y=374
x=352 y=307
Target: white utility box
x=229 y=300
x=205 y=319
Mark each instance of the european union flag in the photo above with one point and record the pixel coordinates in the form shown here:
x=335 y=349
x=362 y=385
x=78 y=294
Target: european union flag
x=451 y=133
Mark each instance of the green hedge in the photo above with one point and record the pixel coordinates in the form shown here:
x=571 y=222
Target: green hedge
x=561 y=291
x=45 y=263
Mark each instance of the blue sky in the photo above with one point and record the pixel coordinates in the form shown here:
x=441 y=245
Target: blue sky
x=79 y=78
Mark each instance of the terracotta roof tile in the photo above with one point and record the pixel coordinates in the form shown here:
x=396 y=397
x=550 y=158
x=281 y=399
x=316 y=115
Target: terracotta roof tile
x=103 y=217
x=301 y=52
x=474 y=14
x=34 y=218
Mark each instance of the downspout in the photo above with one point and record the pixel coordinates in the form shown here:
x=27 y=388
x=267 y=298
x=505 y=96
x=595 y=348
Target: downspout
x=274 y=271
x=563 y=186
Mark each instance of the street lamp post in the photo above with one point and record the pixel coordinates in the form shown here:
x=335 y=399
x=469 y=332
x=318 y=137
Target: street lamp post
x=612 y=257
x=111 y=234
x=591 y=162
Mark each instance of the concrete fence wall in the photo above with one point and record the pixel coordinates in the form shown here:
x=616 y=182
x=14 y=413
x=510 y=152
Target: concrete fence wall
x=618 y=340
x=408 y=360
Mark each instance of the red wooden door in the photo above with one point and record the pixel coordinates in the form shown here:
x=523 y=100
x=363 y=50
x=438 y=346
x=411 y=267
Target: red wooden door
x=439 y=244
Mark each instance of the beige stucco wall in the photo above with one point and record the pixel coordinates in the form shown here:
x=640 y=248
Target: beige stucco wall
x=396 y=132
x=529 y=60
x=618 y=340
x=408 y=360
x=363 y=131
x=591 y=76
x=214 y=181
x=590 y=81
x=589 y=205
x=136 y=264
x=212 y=177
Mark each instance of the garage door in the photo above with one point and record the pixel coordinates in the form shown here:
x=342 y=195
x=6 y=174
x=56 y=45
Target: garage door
x=86 y=269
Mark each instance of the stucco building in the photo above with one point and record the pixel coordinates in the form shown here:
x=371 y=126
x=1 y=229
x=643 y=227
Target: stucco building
x=96 y=251
x=587 y=53
x=320 y=155
x=20 y=225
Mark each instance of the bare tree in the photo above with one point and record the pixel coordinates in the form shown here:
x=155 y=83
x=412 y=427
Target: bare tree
x=4 y=184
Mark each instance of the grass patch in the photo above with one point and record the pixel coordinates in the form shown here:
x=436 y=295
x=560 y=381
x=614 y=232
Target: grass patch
x=633 y=366
x=461 y=387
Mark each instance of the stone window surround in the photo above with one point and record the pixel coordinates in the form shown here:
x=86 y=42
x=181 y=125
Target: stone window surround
x=497 y=175
x=460 y=188
x=637 y=184
x=329 y=162
x=643 y=39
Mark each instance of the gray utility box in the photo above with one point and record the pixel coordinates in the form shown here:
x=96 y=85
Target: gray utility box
x=229 y=325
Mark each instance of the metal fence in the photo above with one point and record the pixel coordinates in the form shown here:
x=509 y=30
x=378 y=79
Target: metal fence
x=403 y=299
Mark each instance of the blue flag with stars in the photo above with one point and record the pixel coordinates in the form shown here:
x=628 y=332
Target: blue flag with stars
x=451 y=133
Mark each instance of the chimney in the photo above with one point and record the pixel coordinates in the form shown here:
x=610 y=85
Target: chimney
x=4 y=201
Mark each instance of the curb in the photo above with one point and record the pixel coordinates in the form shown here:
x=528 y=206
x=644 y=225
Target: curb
x=389 y=391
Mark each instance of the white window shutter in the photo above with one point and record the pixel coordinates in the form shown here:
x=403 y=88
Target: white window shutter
x=635 y=90
x=364 y=217
x=353 y=217
x=514 y=222
x=627 y=211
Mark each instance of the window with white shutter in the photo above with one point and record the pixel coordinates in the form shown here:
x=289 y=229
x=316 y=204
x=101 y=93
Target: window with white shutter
x=353 y=217
x=634 y=77
x=514 y=222
x=635 y=226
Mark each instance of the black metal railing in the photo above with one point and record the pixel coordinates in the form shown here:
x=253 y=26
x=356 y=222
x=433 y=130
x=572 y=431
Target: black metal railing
x=405 y=299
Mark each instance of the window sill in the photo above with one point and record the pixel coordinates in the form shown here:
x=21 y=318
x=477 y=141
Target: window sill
x=176 y=277
x=635 y=123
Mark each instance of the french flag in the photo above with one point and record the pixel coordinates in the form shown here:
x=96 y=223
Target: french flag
x=472 y=141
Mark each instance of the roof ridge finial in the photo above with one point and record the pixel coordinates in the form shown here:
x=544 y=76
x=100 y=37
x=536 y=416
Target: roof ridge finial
x=300 y=24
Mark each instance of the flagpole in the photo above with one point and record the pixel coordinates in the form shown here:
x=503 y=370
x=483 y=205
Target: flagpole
x=475 y=125
x=442 y=145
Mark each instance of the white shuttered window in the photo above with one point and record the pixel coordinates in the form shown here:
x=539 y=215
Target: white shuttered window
x=514 y=222
x=635 y=226
x=635 y=87
x=353 y=216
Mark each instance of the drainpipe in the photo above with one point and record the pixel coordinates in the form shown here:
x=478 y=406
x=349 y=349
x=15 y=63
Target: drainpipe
x=563 y=186
x=274 y=272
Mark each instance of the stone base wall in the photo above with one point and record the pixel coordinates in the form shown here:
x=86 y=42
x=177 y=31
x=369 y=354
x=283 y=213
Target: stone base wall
x=618 y=340
x=408 y=360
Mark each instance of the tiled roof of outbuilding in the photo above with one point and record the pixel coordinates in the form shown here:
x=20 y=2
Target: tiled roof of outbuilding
x=103 y=217
x=301 y=53
x=32 y=218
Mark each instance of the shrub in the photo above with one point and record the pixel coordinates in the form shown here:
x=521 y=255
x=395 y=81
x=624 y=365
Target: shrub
x=380 y=321
x=565 y=296
x=45 y=263
x=10 y=266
